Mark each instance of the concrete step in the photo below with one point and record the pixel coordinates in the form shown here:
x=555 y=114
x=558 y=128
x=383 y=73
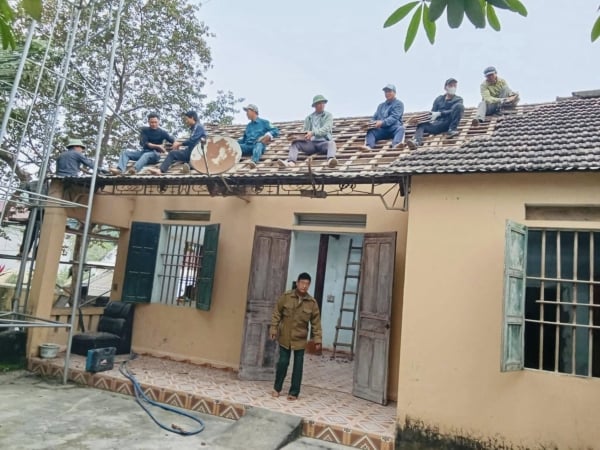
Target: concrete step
x=259 y=429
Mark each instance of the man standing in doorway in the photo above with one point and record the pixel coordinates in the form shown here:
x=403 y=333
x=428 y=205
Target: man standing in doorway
x=295 y=309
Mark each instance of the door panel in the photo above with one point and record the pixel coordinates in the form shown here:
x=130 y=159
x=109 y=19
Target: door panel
x=375 y=305
x=268 y=276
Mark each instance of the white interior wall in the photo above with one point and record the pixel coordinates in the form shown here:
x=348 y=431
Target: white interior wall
x=303 y=258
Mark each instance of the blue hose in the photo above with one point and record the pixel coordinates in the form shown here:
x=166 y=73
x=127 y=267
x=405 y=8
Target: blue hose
x=140 y=398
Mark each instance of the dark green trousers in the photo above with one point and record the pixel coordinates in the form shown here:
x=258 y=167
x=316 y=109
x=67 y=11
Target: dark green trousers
x=282 y=367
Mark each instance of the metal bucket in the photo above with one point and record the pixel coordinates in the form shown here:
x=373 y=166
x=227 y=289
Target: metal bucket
x=48 y=351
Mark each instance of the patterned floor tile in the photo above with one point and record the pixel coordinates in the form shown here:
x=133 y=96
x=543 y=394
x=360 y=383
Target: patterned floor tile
x=326 y=404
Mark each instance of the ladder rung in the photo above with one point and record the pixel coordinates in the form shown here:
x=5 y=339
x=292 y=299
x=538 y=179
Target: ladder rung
x=341 y=344
x=350 y=292
x=347 y=309
x=356 y=248
x=340 y=327
x=353 y=263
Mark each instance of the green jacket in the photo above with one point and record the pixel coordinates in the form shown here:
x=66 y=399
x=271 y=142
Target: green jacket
x=291 y=317
x=493 y=93
x=321 y=125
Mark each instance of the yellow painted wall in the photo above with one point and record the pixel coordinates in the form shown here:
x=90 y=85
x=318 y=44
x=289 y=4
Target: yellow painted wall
x=215 y=336
x=452 y=318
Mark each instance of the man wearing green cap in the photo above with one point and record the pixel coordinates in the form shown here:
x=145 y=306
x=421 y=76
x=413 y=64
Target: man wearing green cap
x=318 y=127
x=259 y=132
x=495 y=95
x=69 y=161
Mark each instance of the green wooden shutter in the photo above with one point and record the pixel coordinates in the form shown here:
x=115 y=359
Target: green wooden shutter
x=141 y=262
x=515 y=260
x=207 y=269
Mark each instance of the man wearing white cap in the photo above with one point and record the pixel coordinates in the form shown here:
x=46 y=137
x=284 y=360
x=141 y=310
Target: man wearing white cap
x=387 y=120
x=318 y=127
x=495 y=95
x=259 y=132
x=69 y=161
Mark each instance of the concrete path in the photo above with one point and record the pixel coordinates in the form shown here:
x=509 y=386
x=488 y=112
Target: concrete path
x=38 y=413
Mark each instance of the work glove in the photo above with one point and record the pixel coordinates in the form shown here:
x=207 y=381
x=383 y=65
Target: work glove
x=435 y=115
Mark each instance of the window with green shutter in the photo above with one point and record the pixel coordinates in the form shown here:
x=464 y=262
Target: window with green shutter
x=552 y=300
x=207 y=269
x=141 y=262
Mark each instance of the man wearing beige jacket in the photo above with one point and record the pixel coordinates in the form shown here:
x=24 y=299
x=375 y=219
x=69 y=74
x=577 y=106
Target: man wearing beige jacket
x=295 y=309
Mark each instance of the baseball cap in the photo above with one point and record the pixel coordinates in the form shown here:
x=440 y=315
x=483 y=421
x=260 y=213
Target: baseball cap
x=389 y=87
x=251 y=107
x=450 y=80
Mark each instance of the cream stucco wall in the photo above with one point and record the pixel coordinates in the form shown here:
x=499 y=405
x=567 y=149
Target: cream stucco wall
x=452 y=318
x=215 y=336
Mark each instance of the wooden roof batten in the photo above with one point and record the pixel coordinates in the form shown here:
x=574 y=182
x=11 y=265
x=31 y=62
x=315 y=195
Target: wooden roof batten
x=360 y=172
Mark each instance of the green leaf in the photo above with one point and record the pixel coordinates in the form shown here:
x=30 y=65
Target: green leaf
x=33 y=8
x=399 y=14
x=475 y=13
x=428 y=24
x=502 y=4
x=413 y=27
x=492 y=17
x=596 y=30
x=436 y=9
x=456 y=12
x=517 y=6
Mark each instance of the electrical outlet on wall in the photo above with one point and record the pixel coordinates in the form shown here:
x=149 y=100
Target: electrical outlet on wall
x=330 y=298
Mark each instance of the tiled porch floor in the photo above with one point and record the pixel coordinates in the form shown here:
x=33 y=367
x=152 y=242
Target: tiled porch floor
x=328 y=409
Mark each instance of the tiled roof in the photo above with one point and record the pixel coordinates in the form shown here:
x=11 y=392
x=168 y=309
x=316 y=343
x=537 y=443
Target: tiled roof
x=557 y=136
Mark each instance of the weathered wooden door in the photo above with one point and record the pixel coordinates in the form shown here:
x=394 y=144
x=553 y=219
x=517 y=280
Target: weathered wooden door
x=373 y=328
x=268 y=275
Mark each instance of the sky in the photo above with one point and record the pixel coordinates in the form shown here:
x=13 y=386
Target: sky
x=278 y=54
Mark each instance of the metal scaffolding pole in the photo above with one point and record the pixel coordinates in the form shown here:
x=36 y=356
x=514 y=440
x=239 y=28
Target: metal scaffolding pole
x=88 y=214
x=47 y=150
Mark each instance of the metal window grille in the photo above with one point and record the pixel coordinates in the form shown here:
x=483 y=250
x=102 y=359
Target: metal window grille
x=181 y=261
x=562 y=302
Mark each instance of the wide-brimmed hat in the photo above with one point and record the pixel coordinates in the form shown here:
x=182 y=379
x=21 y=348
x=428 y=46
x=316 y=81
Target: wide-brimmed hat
x=318 y=99
x=251 y=107
x=75 y=143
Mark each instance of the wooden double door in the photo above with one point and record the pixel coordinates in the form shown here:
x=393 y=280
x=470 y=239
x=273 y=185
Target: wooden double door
x=268 y=277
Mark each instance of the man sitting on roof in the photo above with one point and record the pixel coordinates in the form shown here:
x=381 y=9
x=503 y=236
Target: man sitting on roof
x=197 y=134
x=318 y=127
x=446 y=112
x=69 y=161
x=152 y=140
x=259 y=132
x=495 y=95
x=387 y=121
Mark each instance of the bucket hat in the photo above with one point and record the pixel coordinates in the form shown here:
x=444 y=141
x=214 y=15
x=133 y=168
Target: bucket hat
x=318 y=99
x=75 y=143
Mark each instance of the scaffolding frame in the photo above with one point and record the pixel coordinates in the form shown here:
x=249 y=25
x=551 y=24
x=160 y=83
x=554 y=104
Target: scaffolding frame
x=38 y=200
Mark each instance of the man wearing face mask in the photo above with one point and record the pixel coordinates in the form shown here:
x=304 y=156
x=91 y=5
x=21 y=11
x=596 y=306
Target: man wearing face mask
x=446 y=113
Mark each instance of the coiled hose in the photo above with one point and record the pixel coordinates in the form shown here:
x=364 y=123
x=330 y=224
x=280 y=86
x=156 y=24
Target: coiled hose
x=142 y=400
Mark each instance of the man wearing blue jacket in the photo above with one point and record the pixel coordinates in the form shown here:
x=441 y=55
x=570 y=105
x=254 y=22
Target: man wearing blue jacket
x=446 y=112
x=259 y=132
x=197 y=134
x=387 y=120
